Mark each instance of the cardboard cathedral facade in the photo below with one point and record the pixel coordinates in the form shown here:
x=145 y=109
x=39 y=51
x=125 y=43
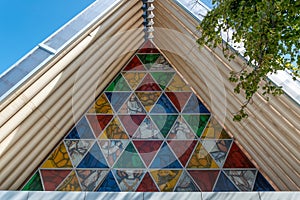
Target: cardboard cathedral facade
x=122 y=99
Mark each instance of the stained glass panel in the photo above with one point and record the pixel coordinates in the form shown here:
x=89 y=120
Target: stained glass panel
x=147 y=149
x=128 y=180
x=90 y=179
x=186 y=184
x=112 y=149
x=134 y=78
x=58 y=159
x=119 y=84
x=34 y=184
x=165 y=158
x=109 y=184
x=147 y=132
x=52 y=178
x=166 y=179
x=134 y=65
x=162 y=78
x=224 y=184
x=242 y=179
x=132 y=106
x=93 y=159
x=148 y=84
x=77 y=149
x=147 y=184
x=205 y=179
x=179 y=99
x=71 y=183
x=164 y=122
x=130 y=158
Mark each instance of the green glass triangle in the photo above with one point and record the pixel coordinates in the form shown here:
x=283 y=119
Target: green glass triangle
x=119 y=84
x=197 y=122
x=164 y=122
x=130 y=158
x=148 y=59
x=34 y=184
x=162 y=78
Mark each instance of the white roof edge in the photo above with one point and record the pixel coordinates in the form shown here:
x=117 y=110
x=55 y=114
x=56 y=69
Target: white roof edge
x=198 y=9
x=25 y=67
x=47 y=195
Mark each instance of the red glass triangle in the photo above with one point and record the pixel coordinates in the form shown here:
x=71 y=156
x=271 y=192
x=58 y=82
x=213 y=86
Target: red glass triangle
x=205 y=179
x=148 y=84
x=183 y=149
x=131 y=122
x=135 y=65
x=52 y=178
x=179 y=99
x=147 y=149
x=237 y=159
x=99 y=122
x=147 y=184
x=148 y=47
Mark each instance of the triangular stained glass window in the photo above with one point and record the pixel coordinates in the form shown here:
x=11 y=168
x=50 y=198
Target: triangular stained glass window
x=147 y=131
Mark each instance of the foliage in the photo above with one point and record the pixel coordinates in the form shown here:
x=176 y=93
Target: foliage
x=269 y=32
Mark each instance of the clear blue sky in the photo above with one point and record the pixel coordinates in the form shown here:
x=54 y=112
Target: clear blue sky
x=26 y=23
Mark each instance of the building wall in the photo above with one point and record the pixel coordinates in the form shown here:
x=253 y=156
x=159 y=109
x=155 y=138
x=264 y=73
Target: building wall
x=36 y=116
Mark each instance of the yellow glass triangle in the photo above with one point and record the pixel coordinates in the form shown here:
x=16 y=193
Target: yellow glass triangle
x=134 y=78
x=178 y=84
x=201 y=159
x=148 y=99
x=58 y=159
x=71 y=183
x=114 y=131
x=166 y=179
x=102 y=105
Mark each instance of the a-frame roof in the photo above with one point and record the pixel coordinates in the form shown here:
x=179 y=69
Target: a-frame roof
x=42 y=108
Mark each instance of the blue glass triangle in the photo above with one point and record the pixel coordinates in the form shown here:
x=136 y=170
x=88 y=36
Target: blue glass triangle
x=117 y=99
x=224 y=184
x=93 y=159
x=163 y=105
x=261 y=184
x=109 y=184
x=81 y=131
x=194 y=105
x=165 y=158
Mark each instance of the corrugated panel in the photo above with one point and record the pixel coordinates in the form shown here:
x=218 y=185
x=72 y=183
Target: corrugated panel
x=270 y=137
x=38 y=115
